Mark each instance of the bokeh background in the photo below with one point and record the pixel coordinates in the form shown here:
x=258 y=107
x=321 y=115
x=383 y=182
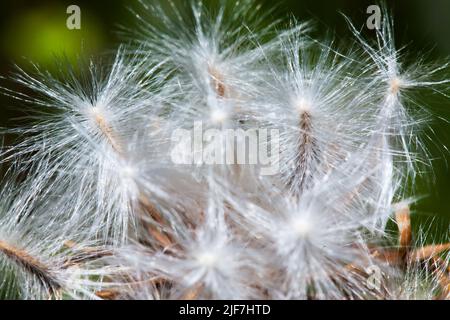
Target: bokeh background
x=36 y=31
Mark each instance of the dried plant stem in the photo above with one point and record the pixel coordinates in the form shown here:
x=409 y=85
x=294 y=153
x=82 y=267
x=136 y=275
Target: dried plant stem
x=107 y=294
x=84 y=254
x=113 y=293
x=159 y=235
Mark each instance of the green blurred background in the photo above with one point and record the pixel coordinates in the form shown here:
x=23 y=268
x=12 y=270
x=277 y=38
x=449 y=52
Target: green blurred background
x=36 y=31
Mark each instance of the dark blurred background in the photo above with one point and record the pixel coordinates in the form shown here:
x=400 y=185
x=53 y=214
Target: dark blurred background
x=36 y=31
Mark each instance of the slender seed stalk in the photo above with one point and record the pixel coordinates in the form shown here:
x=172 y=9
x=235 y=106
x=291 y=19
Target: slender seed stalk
x=109 y=134
x=218 y=83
